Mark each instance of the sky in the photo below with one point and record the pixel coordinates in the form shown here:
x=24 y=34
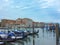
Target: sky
x=38 y=10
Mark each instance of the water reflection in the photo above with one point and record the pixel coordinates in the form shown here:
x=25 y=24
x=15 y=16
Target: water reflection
x=44 y=37
x=33 y=40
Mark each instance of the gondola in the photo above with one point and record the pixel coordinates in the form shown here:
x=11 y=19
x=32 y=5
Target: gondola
x=19 y=34
x=5 y=37
x=33 y=32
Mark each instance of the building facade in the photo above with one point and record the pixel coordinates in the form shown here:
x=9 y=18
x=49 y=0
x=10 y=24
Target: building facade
x=18 y=23
x=25 y=22
x=7 y=23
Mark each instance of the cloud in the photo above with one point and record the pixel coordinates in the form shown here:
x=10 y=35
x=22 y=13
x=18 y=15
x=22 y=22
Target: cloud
x=17 y=6
x=41 y=10
x=49 y=3
x=25 y=7
x=3 y=4
x=58 y=10
x=57 y=21
x=6 y=0
x=45 y=3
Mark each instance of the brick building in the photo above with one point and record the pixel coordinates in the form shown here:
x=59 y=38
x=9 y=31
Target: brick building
x=38 y=24
x=25 y=22
x=7 y=23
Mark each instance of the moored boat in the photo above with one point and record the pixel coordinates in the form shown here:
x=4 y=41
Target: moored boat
x=4 y=37
x=19 y=34
x=2 y=43
x=33 y=32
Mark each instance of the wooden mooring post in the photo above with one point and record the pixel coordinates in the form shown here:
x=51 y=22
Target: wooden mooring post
x=33 y=27
x=57 y=34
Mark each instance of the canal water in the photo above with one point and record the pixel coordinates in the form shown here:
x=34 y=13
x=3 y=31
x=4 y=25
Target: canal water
x=44 y=37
